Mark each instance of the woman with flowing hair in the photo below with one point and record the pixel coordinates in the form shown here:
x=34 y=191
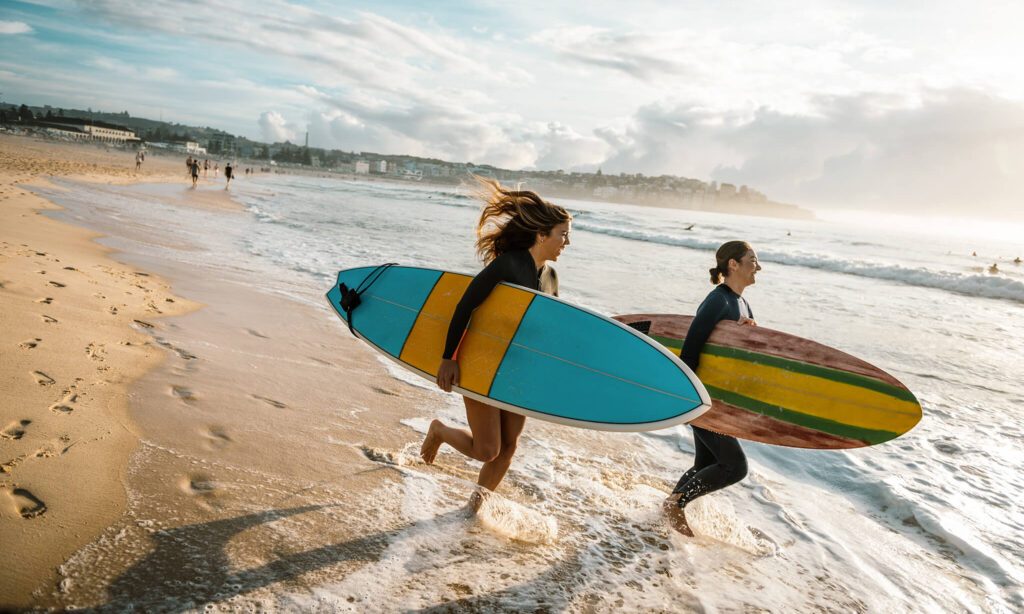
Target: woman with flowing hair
x=518 y=233
x=718 y=459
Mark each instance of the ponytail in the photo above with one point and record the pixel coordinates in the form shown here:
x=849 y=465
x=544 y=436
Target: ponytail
x=730 y=250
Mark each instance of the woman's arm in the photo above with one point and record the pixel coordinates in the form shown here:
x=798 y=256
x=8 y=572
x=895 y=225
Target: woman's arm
x=714 y=309
x=477 y=292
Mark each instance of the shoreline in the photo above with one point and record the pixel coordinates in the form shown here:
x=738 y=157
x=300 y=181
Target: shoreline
x=157 y=412
x=70 y=348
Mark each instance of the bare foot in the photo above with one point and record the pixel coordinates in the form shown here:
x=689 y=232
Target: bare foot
x=431 y=443
x=676 y=515
x=477 y=499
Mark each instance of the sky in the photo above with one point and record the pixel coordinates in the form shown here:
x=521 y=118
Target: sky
x=916 y=107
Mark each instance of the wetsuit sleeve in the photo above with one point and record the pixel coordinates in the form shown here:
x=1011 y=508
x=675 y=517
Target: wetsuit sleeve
x=713 y=310
x=478 y=291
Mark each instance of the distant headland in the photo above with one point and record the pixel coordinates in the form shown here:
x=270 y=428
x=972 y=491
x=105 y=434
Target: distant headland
x=123 y=130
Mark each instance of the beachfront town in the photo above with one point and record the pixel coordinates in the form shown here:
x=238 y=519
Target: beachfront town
x=141 y=134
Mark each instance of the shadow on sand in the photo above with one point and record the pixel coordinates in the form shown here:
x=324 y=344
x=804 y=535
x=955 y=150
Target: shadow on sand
x=189 y=566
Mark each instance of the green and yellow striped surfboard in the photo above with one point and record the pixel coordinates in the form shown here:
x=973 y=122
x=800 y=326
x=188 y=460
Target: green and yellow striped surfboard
x=776 y=388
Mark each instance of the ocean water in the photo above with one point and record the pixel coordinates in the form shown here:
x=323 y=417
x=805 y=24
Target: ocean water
x=932 y=521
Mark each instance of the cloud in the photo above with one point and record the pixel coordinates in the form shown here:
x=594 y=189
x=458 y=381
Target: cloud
x=954 y=150
x=370 y=52
x=561 y=147
x=643 y=56
x=275 y=128
x=149 y=73
x=15 y=27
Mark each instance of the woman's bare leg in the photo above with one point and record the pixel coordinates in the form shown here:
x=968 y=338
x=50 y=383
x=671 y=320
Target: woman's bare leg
x=494 y=470
x=482 y=442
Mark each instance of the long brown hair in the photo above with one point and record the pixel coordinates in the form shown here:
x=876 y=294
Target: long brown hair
x=730 y=250
x=512 y=219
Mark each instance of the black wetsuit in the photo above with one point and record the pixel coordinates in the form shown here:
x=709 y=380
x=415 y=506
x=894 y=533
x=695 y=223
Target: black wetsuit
x=516 y=267
x=719 y=460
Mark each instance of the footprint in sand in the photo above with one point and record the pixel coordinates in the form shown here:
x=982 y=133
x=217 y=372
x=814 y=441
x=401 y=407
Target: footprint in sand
x=27 y=504
x=96 y=351
x=216 y=437
x=184 y=354
x=200 y=485
x=67 y=404
x=43 y=379
x=144 y=324
x=256 y=333
x=11 y=464
x=184 y=394
x=46 y=300
x=28 y=345
x=277 y=404
x=15 y=430
x=49 y=319
x=57 y=284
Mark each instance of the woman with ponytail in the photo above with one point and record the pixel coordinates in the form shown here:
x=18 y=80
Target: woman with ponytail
x=517 y=234
x=719 y=460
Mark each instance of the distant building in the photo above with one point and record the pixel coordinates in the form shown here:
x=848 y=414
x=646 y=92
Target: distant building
x=75 y=128
x=727 y=191
x=222 y=143
x=482 y=172
x=380 y=166
x=193 y=148
x=362 y=167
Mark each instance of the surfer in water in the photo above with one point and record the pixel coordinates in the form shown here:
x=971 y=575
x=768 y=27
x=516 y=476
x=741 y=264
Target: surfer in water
x=518 y=233
x=719 y=460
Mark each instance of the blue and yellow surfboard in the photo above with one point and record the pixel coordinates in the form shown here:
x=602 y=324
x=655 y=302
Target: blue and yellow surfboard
x=525 y=351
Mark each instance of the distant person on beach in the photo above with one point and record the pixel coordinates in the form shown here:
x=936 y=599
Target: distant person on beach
x=718 y=459
x=518 y=234
x=227 y=174
x=138 y=160
x=206 y=168
x=994 y=268
x=188 y=166
x=216 y=169
x=195 y=172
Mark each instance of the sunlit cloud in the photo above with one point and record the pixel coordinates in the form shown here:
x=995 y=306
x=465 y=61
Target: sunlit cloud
x=15 y=27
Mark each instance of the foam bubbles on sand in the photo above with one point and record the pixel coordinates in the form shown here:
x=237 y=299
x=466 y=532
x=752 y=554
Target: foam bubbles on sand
x=514 y=521
x=715 y=518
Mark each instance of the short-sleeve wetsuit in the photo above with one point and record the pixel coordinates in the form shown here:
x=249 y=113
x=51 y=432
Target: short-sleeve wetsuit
x=718 y=460
x=514 y=266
